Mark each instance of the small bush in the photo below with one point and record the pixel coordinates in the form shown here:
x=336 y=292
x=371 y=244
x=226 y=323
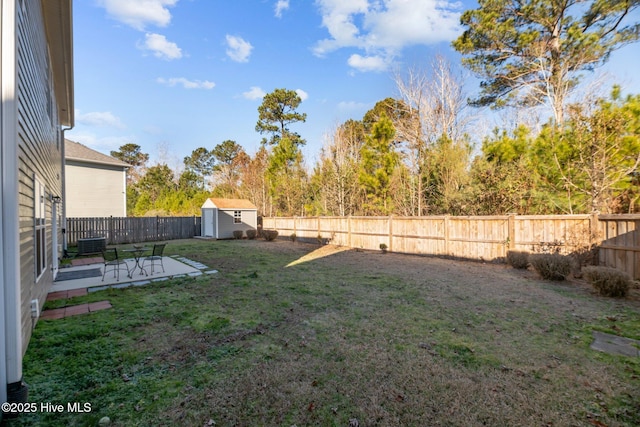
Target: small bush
x=293 y=237
x=518 y=259
x=237 y=234
x=383 y=247
x=551 y=266
x=269 y=235
x=609 y=282
x=251 y=234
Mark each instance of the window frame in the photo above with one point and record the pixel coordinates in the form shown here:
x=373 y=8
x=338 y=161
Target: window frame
x=237 y=217
x=39 y=227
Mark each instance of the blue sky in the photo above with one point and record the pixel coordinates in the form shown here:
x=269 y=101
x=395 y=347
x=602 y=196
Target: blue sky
x=175 y=75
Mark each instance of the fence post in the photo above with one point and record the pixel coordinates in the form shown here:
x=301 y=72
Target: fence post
x=349 y=231
x=446 y=234
x=390 y=233
x=319 y=235
x=511 y=231
x=594 y=232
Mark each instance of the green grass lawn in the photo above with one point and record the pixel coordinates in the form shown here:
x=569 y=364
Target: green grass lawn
x=279 y=338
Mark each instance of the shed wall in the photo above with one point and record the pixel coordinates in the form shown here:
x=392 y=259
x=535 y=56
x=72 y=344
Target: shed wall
x=227 y=226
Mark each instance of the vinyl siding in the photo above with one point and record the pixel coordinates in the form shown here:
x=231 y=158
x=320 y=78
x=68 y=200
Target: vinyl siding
x=95 y=190
x=39 y=151
x=226 y=224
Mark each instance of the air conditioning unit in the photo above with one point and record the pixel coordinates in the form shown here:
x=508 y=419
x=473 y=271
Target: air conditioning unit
x=93 y=245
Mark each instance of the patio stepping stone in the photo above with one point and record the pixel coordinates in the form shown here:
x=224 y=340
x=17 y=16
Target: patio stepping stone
x=74 y=310
x=195 y=264
x=614 y=344
x=66 y=294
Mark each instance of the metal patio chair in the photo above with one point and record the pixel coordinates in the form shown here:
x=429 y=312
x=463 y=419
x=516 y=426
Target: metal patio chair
x=113 y=261
x=156 y=257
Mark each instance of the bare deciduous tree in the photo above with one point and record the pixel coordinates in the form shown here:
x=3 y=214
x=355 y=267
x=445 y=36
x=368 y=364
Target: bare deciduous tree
x=436 y=108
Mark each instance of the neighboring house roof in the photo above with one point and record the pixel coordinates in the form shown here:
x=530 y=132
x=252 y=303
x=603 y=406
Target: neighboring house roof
x=231 y=203
x=58 y=18
x=82 y=153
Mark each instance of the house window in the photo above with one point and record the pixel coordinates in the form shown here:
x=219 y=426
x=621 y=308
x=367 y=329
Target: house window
x=40 y=225
x=237 y=217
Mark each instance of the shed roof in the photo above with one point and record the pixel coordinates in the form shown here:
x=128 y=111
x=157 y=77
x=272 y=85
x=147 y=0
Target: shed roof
x=232 y=203
x=76 y=151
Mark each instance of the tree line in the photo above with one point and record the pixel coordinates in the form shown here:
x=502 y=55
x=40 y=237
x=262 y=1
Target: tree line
x=414 y=154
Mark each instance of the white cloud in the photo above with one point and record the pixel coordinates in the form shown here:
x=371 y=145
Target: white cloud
x=382 y=28
x=254 y=93
x=161 y=47
x=302 y=94
x=99 y=118
x=238 y=49
x=139 y=13
x=367 y=63
x=413 y=22
x=187 y=84
x=281 y=6
x=338 y=18
x=349 y=106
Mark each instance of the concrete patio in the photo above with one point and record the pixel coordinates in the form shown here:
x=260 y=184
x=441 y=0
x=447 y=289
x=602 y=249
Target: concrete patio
x=89 y=274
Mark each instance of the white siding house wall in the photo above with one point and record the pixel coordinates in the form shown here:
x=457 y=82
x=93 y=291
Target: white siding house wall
x=95 y=190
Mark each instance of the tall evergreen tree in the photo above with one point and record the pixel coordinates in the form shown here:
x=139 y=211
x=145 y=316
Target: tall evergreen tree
x=533 y=51
x=285 y=174
x=378 y=161
x=132 y=155
x=201 y=163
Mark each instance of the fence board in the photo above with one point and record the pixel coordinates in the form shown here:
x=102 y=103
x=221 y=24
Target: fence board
x=480 y=237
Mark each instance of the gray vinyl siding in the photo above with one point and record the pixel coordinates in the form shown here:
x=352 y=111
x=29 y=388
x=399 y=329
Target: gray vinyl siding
x=227 y=226
x=39 y=151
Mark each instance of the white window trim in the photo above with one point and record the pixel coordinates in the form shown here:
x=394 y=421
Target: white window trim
x=40 y=227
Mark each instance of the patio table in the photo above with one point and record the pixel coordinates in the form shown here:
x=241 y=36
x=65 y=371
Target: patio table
x=137 y=253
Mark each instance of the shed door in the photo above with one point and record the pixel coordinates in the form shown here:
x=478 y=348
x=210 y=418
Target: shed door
x=208 y=223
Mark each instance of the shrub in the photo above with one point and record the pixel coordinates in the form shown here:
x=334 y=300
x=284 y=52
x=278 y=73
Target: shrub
x=551 y=266
x=383 y=247
x=237 y=234
x=251 y=234
x=609 y=282
x=293 y=237
x=269 y=235
x=518 y=259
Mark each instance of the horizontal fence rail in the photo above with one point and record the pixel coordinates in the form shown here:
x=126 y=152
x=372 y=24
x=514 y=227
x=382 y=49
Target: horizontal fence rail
x=118 y=230
x=617 y=237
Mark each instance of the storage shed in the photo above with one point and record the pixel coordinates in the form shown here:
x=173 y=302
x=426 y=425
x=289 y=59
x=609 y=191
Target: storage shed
x=220 y=217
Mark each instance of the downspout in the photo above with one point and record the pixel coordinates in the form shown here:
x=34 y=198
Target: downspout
x=64 y=192
x=12 y=388
x=3 y=282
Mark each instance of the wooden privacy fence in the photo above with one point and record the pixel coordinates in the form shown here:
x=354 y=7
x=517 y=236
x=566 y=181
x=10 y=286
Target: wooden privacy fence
x=478 y=237
x=119 y=230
